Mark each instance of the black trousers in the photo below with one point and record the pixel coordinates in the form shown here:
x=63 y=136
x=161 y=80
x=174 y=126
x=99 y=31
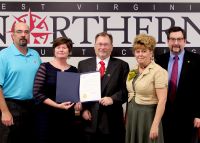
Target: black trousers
x=103 y=138
x=24 y=122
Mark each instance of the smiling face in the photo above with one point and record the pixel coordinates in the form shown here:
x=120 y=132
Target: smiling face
x=21 y=35
x=143 y=55
x=143 y=47
x=176 y=42
x=62 y=47
x=61 y=51
x=103 y=47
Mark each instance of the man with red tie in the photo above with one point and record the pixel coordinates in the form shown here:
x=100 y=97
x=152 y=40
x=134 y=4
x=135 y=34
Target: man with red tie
x=182 y=113
x=103 y=120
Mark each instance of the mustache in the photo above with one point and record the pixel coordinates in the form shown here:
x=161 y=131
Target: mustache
x=175 y=46
x=23 y=38
x=23 y=41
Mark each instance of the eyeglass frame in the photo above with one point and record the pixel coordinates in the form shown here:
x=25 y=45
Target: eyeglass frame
x=21 y=31
x=176 y=39
x=103 y=44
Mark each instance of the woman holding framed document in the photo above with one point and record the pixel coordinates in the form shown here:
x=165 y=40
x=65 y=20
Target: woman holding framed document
x=53 y=118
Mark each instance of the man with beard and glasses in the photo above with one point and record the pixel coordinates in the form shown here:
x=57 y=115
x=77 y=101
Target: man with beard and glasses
x=18 y=66
x=182 y=113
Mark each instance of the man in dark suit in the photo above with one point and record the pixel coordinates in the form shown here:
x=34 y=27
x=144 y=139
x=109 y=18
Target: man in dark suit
x=182 y=113
x=103 y=121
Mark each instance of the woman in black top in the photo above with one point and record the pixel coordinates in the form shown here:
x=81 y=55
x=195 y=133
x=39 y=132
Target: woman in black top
x=54 y=120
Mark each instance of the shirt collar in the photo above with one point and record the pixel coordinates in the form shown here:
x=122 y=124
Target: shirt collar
x=151 y=65
x=105 y=61
x=16 y=52
x=147 y=69
x=180 y=55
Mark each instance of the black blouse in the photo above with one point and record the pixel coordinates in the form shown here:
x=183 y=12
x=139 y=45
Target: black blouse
x=45 y=82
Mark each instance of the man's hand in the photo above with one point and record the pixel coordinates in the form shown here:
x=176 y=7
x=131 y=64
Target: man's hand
x=7 y=118
x=87 y=115
x=78 y=106
x=105 y=101
x=196 y=122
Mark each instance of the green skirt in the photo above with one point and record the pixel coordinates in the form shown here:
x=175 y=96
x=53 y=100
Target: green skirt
x=140 y=118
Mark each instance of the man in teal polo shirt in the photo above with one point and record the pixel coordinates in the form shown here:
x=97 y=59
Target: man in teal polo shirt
x=18 y=66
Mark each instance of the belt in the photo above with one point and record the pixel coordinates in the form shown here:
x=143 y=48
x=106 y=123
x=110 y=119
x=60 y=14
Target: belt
x=28 y=101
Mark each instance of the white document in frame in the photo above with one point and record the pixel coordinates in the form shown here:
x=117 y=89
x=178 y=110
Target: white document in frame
x=90 y=87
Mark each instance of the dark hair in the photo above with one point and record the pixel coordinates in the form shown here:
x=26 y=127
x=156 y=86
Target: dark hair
x=63 y=40
x=176 y=29
x=104 y=34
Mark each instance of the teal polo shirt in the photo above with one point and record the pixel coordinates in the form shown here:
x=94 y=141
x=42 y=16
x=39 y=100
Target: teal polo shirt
x=17 y=72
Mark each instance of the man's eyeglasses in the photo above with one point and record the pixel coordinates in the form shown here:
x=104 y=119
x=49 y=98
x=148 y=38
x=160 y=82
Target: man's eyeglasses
x=21 y=31
x=102 y=44
x=176 y=39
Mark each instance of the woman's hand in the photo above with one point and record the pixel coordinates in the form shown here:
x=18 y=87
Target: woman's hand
x=65 y=105
x=153 y=132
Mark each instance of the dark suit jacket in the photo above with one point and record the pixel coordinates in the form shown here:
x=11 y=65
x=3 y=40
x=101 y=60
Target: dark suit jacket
x=181 y=113
x=107 y=119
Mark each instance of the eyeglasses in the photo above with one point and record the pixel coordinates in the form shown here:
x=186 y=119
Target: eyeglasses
x=176 y=39
x=102 y=44
x=21 y=31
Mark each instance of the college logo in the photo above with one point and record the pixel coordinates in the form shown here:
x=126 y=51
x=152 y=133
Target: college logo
x=39 y=30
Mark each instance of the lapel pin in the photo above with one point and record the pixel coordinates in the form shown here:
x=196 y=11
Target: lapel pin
x=108 y=75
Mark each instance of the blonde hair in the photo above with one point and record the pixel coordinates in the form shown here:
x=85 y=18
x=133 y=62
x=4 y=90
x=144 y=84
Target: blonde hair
x=144 y=41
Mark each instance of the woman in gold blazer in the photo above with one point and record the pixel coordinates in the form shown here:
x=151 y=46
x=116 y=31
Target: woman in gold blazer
x=147 y=89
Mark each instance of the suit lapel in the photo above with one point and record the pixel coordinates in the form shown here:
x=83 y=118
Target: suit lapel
x=109 y=73
x=184 y=68
x=92 y=65
x=166 y=61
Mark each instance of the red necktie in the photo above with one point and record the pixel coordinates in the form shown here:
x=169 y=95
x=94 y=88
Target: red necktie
x=173 y=80
x=102 y=68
